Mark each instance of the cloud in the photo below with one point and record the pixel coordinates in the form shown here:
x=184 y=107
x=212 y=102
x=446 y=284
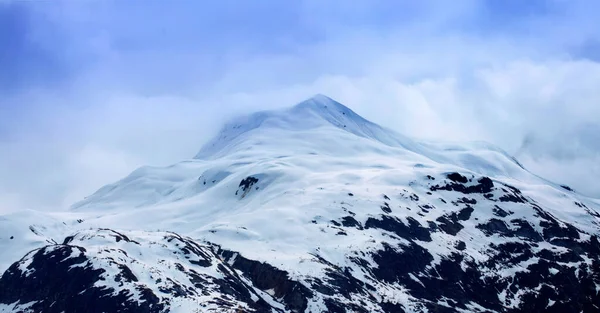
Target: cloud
x=97 y=88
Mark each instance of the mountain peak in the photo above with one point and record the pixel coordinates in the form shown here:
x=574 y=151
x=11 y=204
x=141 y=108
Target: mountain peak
x=318 y=98
x=314 y=113
x=321 y=124
x=319 y=101
x=322 y=104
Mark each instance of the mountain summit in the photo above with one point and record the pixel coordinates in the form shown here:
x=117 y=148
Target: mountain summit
x=315 y=116
x=312 y=209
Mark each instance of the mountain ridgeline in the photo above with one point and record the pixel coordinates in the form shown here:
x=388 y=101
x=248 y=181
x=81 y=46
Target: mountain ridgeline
x=312 y=209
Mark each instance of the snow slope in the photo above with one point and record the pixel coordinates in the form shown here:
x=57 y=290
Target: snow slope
x=361 y=217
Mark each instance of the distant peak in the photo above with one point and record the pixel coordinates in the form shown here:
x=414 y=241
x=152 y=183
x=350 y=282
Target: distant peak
x=322 y=104
x=312 y=113
x=320 y=98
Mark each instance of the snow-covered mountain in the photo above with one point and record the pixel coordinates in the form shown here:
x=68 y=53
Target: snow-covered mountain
x=312 y=209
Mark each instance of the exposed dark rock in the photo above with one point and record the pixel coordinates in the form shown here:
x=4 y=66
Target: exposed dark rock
x=427 y=207
x=414 y=230
x=512 y=195
x=566 y=187
x=571 y=293
x=510 y=253
x=349 y=221
x=395 y=263
x=62 y=280
x=449 y=286
x=552 y=228
x=467 y=200
x=448 y=280
x=449 y=224
x=266 y=277
x=484 y=185
x=68 y=240
x=457 y=178
x=386 y=208
x=494 y=226
x=489 y=196
x=342 y=282
x=564 y=257
x=498 y=211
x=248 y=182
x=335 y=223
x=118 y=236
x=465 y=214
x=556 y=230
x=526 y=230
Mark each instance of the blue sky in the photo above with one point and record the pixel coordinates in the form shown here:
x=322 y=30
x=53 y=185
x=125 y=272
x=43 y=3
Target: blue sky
x=92 y=89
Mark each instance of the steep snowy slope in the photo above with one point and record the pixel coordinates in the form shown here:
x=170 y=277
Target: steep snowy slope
x=314 y=209
x=308 y=136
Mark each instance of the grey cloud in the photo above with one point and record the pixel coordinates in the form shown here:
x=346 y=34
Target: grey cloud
x=25 y=59
x=579 y=142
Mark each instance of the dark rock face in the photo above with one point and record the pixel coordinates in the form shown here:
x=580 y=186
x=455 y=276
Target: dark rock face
x=498 y=211
x=512 y=194
x=526 y=231
x=396 y=263
x=264 y=276
x=464 y=281
x=65 y=277
x=386 y=208
x=457 y=178
x=246 y=185
x=460 y=184
x=494 y=226
x=566 y=187
x=349 y=221
x=247 y=182
x=414 y=230
x=70 y=278
x=62 y=280
x=450 y=223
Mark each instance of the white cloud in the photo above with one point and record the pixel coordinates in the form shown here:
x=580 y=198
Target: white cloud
x=90 y=167
x=127 y=108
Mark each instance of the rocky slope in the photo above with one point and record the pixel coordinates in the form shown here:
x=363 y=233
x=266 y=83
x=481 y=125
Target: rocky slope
x=312 y=209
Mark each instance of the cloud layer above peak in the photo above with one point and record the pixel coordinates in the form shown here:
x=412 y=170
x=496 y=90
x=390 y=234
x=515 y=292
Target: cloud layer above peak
x=93 y=89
